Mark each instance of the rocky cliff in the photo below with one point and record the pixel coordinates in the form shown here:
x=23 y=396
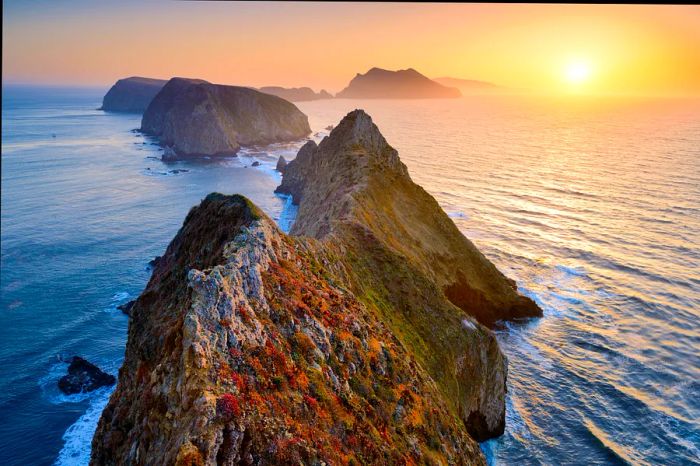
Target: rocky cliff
x=194 y=118
x=336 y=345
x=402 y=84
x=296 y=94
x=131 y=94
x=354 y=186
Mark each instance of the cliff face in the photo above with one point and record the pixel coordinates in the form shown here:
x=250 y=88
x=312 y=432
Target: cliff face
x=193 y=117
x=131 y=94
x=246 y=348
x=296 y=94
x=402 y=84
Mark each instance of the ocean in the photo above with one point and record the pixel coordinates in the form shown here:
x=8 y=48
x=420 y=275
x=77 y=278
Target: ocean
x=591 y=204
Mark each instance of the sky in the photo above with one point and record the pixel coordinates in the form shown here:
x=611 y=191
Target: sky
x=616 y=49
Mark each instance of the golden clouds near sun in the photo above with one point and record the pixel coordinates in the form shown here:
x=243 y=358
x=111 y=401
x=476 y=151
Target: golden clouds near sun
x=577 y=72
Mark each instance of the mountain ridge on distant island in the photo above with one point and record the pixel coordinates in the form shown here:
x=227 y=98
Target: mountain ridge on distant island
x=132 y=95
x=467 y=86
x=196 y=118
x=296 y=94
x=379 y=83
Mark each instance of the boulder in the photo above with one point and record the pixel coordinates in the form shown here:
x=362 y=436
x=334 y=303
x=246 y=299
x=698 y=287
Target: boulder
x=83 y=376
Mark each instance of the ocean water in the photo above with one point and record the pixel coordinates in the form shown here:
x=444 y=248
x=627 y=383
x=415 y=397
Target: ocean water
x=592 y=205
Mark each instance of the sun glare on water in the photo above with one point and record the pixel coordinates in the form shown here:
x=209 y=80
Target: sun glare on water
x=577 y=72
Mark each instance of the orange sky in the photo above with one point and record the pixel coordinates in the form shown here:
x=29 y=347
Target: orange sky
x=643 y=49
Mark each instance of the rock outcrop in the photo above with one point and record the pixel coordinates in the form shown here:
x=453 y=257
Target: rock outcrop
x=83 y=376
x=131 y=95
x=281 y=164
x=336 y=345
x=196 y=118
x=402 y=84
x=296 y=94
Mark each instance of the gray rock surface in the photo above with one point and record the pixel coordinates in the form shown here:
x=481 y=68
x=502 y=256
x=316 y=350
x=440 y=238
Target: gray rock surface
x=196 y=118
x=131 y=95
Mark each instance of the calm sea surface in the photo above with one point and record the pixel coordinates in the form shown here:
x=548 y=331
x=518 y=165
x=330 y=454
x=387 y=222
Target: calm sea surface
x=592 y=205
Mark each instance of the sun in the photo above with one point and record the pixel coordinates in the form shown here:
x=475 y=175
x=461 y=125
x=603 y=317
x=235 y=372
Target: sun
x=577 y=72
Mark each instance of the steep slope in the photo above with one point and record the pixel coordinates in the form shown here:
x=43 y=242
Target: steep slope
x=131 y=94
x=354 y=185
x=193 y=117
x=296 y=94
x=402 y=84
x=245 y=348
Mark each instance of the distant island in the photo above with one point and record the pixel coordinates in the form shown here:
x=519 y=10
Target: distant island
x=378 y=83
x=134 y=94
x=131 y=95
x=296 y=94
x=192 y=117
x=467 y=86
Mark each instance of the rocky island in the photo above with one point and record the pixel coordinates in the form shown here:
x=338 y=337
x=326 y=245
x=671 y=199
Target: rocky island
x=378 y=83
x=296 y=94
x=131 y=95
x=354 y=340
x=195 y=118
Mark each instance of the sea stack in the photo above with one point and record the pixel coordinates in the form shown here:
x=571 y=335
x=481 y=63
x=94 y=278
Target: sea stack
x=131 y=95
x=197 y=118
x=402 y=84
x=250 y=346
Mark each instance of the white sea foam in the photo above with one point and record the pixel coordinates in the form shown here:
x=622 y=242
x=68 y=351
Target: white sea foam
x=77 y=439
x=120 y=296
x=288 y=214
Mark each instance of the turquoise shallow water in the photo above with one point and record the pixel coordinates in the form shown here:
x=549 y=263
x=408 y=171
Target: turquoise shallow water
x=592 y=205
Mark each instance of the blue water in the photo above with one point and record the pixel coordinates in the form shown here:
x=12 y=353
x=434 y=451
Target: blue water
x=593 y=206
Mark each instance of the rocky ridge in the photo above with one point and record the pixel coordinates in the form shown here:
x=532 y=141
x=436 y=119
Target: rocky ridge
x=337 y=345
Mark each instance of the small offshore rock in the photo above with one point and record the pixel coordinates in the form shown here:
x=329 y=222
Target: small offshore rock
x=126 y=307
x=83 y=376
x=255 y=164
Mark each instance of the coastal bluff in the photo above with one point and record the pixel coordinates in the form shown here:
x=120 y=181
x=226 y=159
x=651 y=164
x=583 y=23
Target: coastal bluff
x=191 y=117
x=326 y=346
x=378 y=83
x=131 y=95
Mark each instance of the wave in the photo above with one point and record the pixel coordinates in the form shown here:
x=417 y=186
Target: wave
x=77 y=439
